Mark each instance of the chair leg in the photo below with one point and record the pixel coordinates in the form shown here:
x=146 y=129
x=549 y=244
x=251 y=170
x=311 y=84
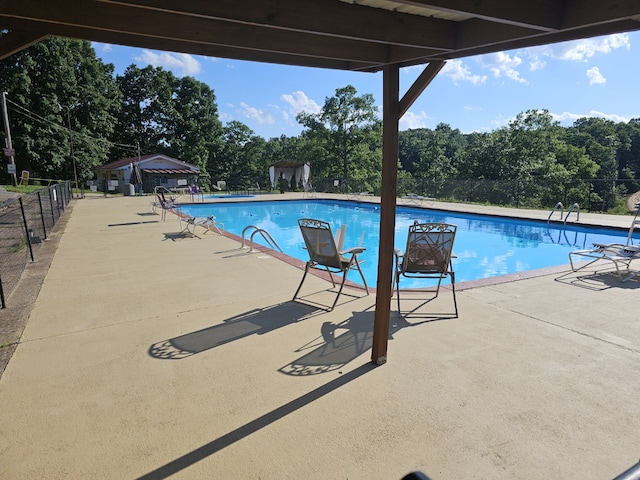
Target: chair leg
x=397 y=277
x=344 y=279
x=306 y=270
x=333 y=282
x=366 y=287
x=453 y=289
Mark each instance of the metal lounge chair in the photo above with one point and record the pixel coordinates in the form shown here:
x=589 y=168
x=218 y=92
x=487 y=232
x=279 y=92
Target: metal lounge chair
x=324 y=254
x=620 y=255
x=427 y=255
x=164 y=204
x=209 y=223
x=416 y=199
x=309 y=191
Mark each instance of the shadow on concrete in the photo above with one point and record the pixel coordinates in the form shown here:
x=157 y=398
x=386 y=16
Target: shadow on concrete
x=253 y=426
x=177 y=236
x=127 y=224
x=340 y=344
x=597 y=281
x=254 y=322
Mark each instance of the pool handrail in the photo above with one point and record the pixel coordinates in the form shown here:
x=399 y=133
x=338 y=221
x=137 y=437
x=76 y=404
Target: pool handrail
x=266 y=235
x=577 y=209
x=555 y=208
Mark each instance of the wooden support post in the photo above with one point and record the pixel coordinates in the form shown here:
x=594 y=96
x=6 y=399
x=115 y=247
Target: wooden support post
x=390 y=119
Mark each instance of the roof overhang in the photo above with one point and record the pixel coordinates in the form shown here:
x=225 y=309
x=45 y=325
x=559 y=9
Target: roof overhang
x=357 y=35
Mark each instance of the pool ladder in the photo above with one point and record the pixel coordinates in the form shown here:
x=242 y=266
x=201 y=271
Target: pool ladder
x=575 y=207
x=266 y=235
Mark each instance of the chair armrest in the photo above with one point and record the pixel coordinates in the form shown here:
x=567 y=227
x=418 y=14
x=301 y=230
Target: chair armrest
x=608 y=245
x=398 y=253
x=355 y=250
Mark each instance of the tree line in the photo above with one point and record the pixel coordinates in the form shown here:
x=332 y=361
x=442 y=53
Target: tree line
x=64 y=101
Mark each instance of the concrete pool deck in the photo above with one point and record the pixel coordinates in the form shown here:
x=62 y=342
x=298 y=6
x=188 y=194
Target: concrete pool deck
x=149 y=354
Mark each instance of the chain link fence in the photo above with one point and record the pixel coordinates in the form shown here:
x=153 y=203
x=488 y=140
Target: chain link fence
x=595 y=195
x=25 y=222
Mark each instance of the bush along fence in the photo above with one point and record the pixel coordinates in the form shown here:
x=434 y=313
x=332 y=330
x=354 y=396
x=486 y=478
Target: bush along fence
x=25 y=222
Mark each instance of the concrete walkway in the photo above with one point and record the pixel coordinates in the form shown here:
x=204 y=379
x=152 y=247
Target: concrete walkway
x=150 y=354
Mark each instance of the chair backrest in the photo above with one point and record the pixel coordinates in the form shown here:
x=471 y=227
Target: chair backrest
x=320 y=243
x=164 y=203
x=635 y=224
x=429 y=248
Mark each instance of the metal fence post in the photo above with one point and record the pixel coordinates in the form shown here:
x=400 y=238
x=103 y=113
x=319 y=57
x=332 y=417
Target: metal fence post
x=26 y=228
x=44 y=226
x=2 y=302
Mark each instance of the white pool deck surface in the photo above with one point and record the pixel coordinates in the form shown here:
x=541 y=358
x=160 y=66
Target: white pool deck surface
x=152 y=354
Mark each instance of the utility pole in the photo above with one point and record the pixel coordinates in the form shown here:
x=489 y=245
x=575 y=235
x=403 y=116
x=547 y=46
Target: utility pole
x=8 y=151
x=73 y=157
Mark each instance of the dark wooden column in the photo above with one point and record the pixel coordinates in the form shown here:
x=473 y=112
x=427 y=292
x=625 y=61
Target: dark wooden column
x=393 y=109
x=390 y=119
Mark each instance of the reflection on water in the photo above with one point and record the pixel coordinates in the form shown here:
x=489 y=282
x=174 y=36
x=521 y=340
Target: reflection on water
x=485 y=246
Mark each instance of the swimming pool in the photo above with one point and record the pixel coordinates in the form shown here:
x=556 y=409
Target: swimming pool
x=485 y=246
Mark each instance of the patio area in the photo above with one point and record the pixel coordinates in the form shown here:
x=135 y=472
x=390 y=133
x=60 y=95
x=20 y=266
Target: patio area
x=148 y=354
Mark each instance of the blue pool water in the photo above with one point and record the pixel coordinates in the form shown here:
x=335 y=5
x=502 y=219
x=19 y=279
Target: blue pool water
x=485 y=246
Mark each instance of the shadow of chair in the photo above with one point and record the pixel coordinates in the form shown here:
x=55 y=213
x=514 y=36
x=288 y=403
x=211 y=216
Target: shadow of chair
x=324 y=254
x=341 y=343
x=427 y=255
x=253 y=322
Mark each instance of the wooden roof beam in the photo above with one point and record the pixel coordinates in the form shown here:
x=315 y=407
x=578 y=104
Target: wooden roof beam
x=584 y=13
x=15 y=41
x=406 y=57
x=318 y=16
x=167 y=33
x=545 y=39
x=542 y=15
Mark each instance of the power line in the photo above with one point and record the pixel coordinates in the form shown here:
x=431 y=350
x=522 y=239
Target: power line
x=34 y=116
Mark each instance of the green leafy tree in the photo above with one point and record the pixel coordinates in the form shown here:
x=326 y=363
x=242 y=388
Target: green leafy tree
x=599 y=138
x=349 y=133
x=195 y=131
x=240 y=160
x=175 y=116
x=52 y=85
x=147 y=114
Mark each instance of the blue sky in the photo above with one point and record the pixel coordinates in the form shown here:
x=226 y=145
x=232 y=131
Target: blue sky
x=596 y=77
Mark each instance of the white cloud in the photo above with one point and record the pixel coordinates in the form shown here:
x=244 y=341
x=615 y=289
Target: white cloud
x=566 y=118
x=609 y=116
x=537 y=64
x=299 y=102
x=502 y=65
x=260 y=116
x=102 y=47
x=581 y=50
x=413 y=120
x=459 y=72
x=182 y=64
x=595 y=77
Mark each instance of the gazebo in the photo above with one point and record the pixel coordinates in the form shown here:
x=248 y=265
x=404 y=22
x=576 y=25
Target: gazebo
x=363 y=36
x=298 y=172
